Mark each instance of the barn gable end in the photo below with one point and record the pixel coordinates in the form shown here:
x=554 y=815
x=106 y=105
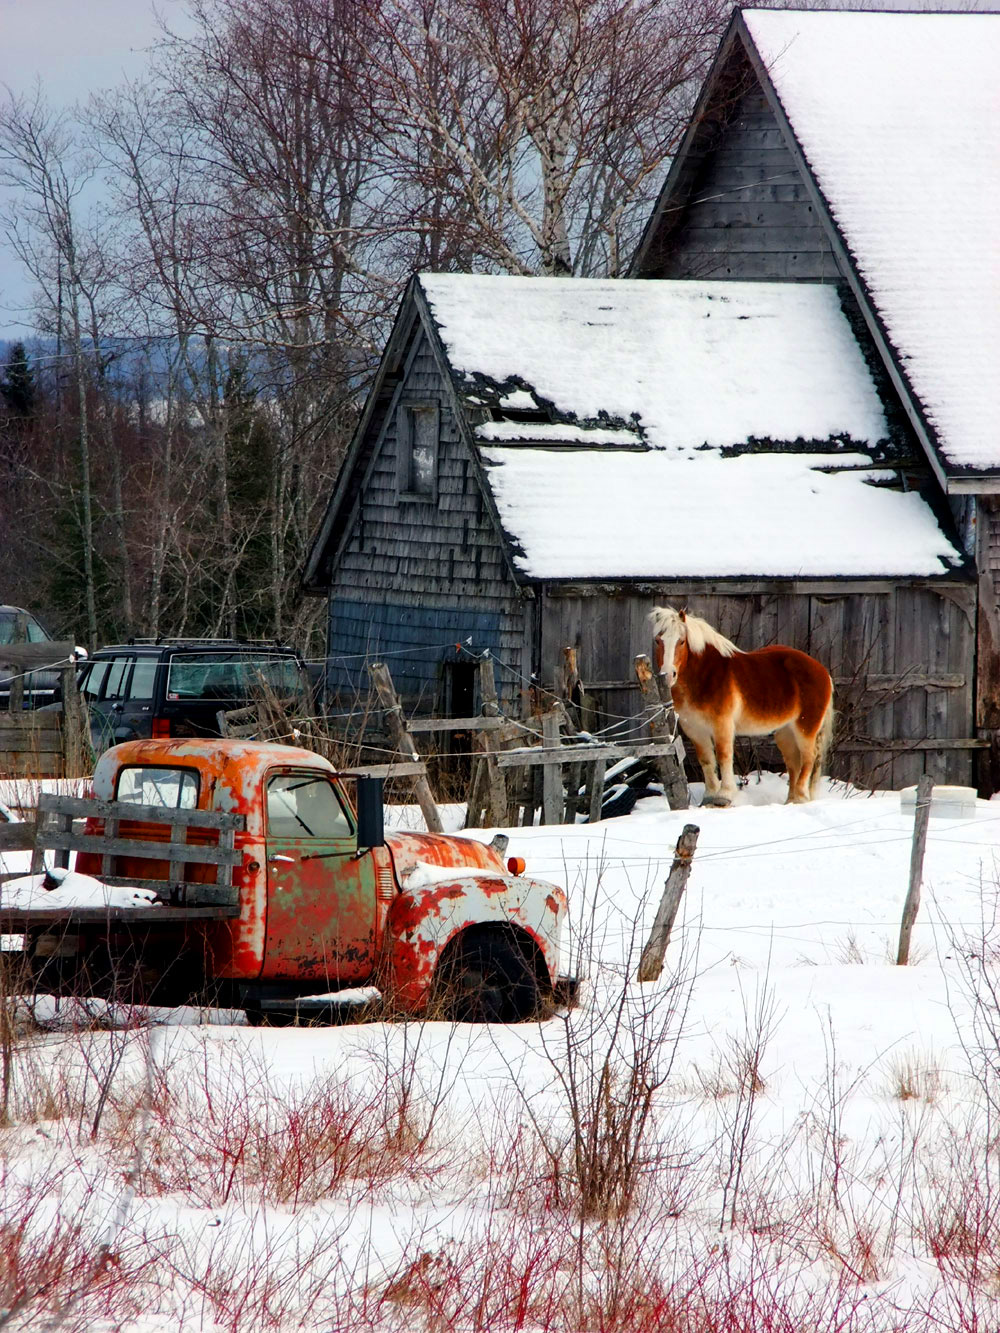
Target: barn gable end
x=737 y=204
x=409 y=576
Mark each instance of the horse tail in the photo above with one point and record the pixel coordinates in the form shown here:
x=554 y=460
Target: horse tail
x=823 y=740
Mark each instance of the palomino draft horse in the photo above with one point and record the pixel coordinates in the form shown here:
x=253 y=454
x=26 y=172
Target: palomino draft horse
x=720 y=692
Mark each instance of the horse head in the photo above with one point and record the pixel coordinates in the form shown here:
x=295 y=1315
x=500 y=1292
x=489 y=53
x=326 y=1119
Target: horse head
x=669 y=641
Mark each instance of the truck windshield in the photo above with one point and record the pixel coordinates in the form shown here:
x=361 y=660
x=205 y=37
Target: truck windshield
x=173 y=788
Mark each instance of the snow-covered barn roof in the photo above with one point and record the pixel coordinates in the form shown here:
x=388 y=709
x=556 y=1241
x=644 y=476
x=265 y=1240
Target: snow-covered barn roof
x=662 y=429
x=898 y=116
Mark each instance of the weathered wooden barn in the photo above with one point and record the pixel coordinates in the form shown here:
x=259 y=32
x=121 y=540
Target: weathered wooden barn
x=792 y=428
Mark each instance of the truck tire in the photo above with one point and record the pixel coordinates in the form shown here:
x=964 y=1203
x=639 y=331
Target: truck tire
x=487 y=979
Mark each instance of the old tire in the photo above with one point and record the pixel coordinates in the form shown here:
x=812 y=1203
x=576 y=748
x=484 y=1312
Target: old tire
x=487 y=979
x=618 y=800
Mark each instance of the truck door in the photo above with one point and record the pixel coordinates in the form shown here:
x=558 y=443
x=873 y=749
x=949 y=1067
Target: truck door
x=320 y=893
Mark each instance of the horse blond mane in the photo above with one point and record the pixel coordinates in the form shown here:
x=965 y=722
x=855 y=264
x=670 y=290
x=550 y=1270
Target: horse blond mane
x=699 y=633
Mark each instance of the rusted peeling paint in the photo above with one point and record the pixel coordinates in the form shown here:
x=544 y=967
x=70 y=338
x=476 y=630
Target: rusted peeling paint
x=313 y=910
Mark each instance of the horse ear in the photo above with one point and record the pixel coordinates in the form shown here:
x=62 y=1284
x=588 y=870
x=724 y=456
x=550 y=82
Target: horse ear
x=683 y=613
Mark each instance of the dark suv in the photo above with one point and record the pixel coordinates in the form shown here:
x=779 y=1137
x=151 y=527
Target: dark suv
x=137 y=690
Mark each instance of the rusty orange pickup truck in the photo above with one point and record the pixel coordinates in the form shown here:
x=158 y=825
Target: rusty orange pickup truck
x=270 y=884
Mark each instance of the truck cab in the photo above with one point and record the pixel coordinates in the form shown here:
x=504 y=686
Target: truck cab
x=315 y=902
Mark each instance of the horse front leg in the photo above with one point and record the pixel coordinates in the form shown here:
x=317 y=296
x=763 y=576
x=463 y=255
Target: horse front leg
x=701 y=739
x=724 y=743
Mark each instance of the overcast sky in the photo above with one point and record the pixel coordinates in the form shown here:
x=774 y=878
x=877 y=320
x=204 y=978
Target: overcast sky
x=75 y=47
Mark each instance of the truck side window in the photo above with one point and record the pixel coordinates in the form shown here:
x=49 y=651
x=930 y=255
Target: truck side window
x=305 y=805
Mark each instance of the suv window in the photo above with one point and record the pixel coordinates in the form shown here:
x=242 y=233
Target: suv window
x=173 y=788
x=143 y=679
x=304 y=805
x=92 y=678
x=114 y=685
x=230 y=676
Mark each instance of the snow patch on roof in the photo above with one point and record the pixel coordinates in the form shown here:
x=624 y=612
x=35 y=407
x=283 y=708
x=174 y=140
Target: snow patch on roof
x=897 y=115
x=694 y=363
x=604 y=514
x=540 y=432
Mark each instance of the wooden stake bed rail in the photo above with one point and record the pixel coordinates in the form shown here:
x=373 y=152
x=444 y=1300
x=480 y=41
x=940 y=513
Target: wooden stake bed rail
x=14 y=920
x=56 y=815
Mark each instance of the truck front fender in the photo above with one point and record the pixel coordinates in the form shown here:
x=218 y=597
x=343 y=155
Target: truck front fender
x=423 y=921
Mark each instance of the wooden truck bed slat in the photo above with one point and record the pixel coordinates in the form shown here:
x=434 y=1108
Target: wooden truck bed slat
x=86 y=807
x=149 y=851
x=14 y=920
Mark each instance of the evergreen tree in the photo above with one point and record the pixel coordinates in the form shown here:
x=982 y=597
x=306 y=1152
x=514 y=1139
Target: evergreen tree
x=17 y=384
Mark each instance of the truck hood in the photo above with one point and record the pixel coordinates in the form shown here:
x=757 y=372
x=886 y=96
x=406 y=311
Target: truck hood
x=410 y=849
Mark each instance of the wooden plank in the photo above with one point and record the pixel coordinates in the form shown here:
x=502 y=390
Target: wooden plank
x=531 y=756
x=905 y=747
x=17 y=837
x=887 y=681
x=651 y=962
x=921 y=816
x=669 y=766
x=111 y=832
x=396 y=722
x=552 y=772
x=688 y=587
x=31 y=721
x=480 y=723
x=595 y=790
x=35 y=656
x=86 y=807
x=496 y=784
x=14 y=920
x=147 y=851
x=401 y=770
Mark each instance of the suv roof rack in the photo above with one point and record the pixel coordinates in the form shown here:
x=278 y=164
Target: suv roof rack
x=166 y=641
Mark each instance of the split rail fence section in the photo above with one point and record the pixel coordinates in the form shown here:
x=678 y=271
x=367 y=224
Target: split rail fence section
x=561 y=777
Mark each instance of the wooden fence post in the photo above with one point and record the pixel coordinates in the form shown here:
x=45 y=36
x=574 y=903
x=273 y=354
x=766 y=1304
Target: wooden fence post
x=921 y=817
x=651 y=962
x=496 y=783
x=595 y=790
x=669 y=767
x=77 y=752
x=552 y=802
x=15 y=703
x=382 y=681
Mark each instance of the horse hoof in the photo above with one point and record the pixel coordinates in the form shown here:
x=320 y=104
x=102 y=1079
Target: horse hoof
x=716 y=799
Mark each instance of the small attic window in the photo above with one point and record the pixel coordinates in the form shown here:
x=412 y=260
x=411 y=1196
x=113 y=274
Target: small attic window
x=418 y=427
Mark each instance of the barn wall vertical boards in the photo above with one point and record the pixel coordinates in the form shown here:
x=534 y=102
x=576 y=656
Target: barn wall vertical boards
x=421 y=568
x=902 y=657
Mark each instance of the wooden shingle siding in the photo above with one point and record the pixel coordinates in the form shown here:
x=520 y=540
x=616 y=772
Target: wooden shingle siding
x=989 y=516
x=749 y=214
x=416 y=575
x=900 y=658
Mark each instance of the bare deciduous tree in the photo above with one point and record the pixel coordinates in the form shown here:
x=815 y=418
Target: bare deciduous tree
x=528 y=137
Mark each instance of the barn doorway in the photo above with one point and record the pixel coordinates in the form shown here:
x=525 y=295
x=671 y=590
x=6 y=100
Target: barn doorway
x=459 y=689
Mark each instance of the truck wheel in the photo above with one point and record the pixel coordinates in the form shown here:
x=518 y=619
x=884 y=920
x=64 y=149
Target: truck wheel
x=488 y=980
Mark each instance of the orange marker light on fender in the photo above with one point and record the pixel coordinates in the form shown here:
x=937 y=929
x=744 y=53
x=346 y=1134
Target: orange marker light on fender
x=516 y=865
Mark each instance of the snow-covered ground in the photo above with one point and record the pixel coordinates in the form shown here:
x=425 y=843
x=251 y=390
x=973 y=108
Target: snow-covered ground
x=786 y=1131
